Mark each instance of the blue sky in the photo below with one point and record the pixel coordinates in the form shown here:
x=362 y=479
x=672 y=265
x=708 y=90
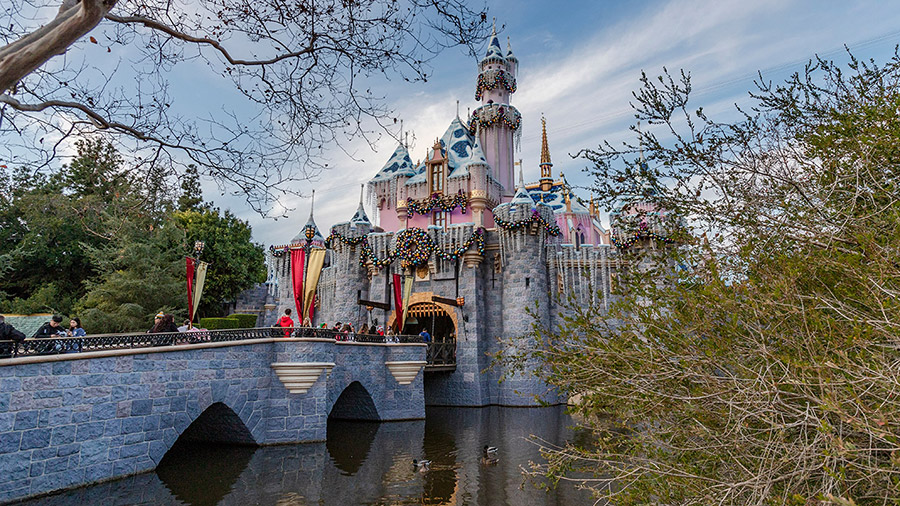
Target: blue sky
x=579 y=63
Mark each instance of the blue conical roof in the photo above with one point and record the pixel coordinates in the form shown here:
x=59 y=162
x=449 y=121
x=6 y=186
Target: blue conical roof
x=360 y=218
x=399 y=164
x=509 y=53
x=493 y=49
x=309 y=232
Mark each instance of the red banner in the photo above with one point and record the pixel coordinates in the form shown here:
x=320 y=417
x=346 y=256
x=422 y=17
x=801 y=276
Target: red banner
x=398 y=300
x=298 y=262
x=190 y=287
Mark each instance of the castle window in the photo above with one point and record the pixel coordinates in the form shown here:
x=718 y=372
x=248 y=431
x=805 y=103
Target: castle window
x=437 y=178
x=440 y=219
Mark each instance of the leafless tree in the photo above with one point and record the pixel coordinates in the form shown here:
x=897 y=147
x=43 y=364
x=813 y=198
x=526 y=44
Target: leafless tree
x=287 y=80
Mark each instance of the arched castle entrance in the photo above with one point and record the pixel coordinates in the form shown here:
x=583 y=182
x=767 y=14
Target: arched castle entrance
x=440 y=320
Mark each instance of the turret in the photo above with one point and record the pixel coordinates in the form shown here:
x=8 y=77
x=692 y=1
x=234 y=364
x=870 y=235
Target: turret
x=524 y=227
x=350 y=277
x=495 y=121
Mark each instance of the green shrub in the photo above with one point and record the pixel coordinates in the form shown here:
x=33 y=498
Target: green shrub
x=219 y=323
x=247 y=321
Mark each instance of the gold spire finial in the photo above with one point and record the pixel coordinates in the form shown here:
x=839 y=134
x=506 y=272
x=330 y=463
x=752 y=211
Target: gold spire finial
x=545 y=151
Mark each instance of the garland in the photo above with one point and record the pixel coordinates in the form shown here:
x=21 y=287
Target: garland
x=437 y=201
x=551 y=228
x=641 y=234
x=279 y=251
x=350 y=241
x=415 y=246
x=494 y=79
x=367 y=253
x=481 y=119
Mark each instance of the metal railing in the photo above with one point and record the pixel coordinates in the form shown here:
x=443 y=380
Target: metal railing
x=441 y=353
x=103 y=342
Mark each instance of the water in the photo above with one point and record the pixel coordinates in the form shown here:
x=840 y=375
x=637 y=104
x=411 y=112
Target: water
x=360 y=464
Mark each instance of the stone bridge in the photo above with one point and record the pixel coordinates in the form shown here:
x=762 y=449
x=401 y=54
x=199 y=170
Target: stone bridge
x=73 y=419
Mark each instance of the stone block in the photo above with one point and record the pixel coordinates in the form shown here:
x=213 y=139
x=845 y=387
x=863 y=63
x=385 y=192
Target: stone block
x=62 y=368
x=9 y=442
x=35 y=438
x=103 y=411
x=93 y=452
x=10 y=384
x=133 y=450
x=15 y=466
x=56 y=465
x=81 y=414
x=26 y=420
x=141 y=407
x=36 y=469
x=89 y=431
x=63 y=435
x=132 y=425
x=68 y=450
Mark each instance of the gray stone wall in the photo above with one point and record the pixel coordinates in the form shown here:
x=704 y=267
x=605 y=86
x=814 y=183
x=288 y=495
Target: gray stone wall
x=90 y=417
x=350 y=279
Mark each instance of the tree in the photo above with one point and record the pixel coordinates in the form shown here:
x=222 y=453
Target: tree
x=235 y=262
x=767 y=371
x=301 y=72
x=49 y=222
x=139 y=274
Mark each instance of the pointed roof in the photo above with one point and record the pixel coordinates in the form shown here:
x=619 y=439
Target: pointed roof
x=545 y=148
x=493 y=49
x=461 y=149
x=309 y=232
x=521 y=196
x=509 y=54
x=360 y=218
x=399 y=164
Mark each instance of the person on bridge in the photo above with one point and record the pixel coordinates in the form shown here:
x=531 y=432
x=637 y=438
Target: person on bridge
x=426 y=337
x=51 y=328
x=8 y=332
x=163 y=323
x=286 y=322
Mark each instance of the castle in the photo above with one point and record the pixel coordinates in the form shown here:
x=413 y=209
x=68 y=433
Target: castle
x=459 y=247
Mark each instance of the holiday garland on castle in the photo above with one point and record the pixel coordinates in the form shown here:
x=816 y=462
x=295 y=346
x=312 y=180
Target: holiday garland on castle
x=551 y=228
x=493 y=79
x=488 y=115
x=350 y=241
x=643 y=232
x=437 y=201
x=415 y=246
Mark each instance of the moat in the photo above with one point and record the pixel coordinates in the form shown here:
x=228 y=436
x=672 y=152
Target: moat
x=362 y=463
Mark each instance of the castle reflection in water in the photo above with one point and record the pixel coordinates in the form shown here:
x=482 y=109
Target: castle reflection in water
x=360 y=464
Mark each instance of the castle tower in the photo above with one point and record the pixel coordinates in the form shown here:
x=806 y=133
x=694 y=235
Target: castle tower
x=351 y=281
x=495 y=121
x=523 y=228
x=546 y=165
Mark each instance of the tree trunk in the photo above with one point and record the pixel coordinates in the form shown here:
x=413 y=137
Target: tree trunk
x=74 y=19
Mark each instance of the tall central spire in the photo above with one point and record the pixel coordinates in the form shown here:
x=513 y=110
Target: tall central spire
x=546 y=164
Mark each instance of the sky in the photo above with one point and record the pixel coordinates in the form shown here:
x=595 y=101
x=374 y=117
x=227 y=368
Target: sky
x=579 y=62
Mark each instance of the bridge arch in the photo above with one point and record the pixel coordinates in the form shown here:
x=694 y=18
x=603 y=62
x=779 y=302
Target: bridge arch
x=354 y=403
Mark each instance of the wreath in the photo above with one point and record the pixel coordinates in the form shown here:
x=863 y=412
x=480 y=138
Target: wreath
x=414 y=247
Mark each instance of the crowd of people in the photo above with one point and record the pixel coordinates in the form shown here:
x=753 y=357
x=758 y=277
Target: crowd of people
x=341 y=331
x=164 y=322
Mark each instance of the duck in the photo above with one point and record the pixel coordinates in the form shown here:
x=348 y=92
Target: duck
x=489 y=461
x=490 y=450
x=421 y=465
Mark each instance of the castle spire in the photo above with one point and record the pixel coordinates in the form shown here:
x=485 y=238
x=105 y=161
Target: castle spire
x=546 y=165
x=360 y=217
x=310 y=234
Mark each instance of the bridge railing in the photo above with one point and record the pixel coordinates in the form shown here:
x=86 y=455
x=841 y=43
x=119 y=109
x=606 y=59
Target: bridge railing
x=103 y=342
x=441 y=353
